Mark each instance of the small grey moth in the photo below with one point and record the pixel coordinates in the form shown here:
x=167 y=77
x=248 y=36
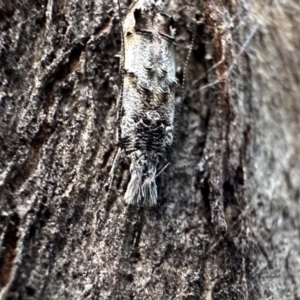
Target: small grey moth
x=146 y=102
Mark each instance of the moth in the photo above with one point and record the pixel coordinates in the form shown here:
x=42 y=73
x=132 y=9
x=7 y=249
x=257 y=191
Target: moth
x=146 y=103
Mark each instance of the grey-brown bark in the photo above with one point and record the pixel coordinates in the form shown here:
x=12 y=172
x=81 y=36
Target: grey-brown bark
x=234 y=158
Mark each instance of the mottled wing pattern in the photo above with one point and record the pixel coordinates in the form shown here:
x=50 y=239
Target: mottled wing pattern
x=147 y=109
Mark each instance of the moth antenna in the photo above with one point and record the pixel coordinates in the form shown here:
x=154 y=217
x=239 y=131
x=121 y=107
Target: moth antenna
x=122 y=41
x=178 y=111
x=121 y=71
x=185 y=66
x=113 y=169
x=162 y=170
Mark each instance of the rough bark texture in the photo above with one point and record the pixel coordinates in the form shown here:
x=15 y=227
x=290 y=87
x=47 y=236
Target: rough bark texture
x=235 y=157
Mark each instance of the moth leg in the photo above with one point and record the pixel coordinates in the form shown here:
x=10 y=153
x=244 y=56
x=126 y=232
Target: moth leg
x=118 y=95
x=115 y=162
x=113 y=170
x=185 y=67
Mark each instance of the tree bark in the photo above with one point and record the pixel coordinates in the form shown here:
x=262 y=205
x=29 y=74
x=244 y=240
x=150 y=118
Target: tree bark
x=227 y=221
